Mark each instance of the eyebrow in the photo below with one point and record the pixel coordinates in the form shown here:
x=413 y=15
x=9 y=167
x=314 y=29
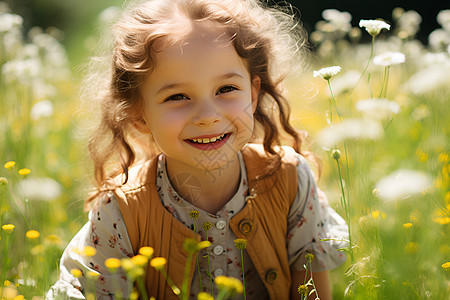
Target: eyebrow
x=170 y=86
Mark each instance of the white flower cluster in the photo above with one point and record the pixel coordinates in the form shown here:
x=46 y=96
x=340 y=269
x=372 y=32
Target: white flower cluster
x=374 y=27
x=9 y=21
x=327 y=73
x=389 y=58
x=377 y=108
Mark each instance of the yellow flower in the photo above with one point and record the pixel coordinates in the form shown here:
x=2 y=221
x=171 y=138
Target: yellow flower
x=24 y=171
x=112 y=263
x=407 y=225
x=6 y=283
x=140 y=260
x=207 y=225
x=146 y=251
x=76 y=273
x=37 y=250
x=194 y=214
x=309 y=257
x=158 y=263
x=9 y=164
x=8 y=228
x=32 y=234
x=230 y=284
x=204 y=296
x=240 y=243
x=203 y=244
x=192 y=246
x=303 y=290
x=92 y=275
x=377 y=213
x=127 y=264
x=19 y=297
x=89 y=251
x=446 y=266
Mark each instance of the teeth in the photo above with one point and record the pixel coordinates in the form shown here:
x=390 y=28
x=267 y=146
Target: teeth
x=210 y=140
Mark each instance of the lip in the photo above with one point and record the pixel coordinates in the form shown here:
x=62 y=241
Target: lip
x=209 y=146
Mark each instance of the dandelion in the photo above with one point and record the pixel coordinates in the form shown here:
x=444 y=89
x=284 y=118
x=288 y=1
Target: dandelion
x=446 y=266
x=9 y=164
x=89 y=251
x=240 y=243
x=303 y=290
x=327 y=73
x=389 y=59
x=373 y=27
x=8 y=228
x=402 y=184
x=309 y=257
x=158 y=263
x=229 y=285
x=140 y=260
x=76 y=273
x=24 y=171
x=112 y=264
x=407 y=225
x=194 y=214
x=146 y=251
x=32 y=234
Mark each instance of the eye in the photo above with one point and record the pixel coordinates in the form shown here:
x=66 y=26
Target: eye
x=176 y=97
x=226 y=89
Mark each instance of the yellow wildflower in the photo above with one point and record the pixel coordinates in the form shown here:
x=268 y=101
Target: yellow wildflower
x=443 y=157
x=303 y=290
x=309 y=257
x=112 y=263
x=32 y=234
x=19 y=297
x=92 y=275
x=230 y=284
x=127 y=264
x=53 y=239
x=207 y=225
x=89 y=251
x=446 y=266
x=140 y=260
x=240 y=243
x=8 y=228
x=6 y=283
x=407 y=225
x=76 y=273
x=377 y=213
x=158 y=263
x=9 y=164
x=203 y=244
x=194 y=214
x=37 y=250
x=204 y=296
x=146 y=251
x=24 y=171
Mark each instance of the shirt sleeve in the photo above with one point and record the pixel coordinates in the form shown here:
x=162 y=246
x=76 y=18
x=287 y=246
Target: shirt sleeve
x=106 y=232
x=310 y=220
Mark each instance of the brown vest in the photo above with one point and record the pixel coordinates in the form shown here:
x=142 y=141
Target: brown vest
x=262 y=221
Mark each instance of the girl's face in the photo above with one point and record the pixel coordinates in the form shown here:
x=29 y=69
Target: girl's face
x=199 y=103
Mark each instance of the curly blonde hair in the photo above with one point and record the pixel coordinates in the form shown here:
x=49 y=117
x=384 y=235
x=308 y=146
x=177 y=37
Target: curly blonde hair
x=270 y=40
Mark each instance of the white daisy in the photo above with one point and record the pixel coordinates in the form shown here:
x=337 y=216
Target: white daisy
x=389 y=58
x=374 y=27
x=327 y=73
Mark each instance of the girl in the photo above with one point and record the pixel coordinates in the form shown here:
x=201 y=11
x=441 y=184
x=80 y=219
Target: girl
x=193 y=82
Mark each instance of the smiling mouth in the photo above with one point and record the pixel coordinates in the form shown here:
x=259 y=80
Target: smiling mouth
x=209 y=140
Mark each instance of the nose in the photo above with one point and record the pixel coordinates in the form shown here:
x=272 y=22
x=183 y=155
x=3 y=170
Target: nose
x=207 y=113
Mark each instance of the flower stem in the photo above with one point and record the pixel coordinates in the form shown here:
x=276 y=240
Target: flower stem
x=172 y=285
x=185 y=287
x=367 y=65
x=198 y=264
x=209 y=267
x=385 y=82
x=142 y=289
x=243 y=272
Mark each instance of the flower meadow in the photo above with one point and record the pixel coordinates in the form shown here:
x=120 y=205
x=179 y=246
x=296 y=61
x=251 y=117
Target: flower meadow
x=373 y=99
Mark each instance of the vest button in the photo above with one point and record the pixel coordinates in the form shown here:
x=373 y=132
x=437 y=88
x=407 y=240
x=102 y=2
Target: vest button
x=271 y=276
x=221 y=224
x=218 y=250
x=246 y=226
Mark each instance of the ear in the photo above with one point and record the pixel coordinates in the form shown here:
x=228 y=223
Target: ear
x=256 y=86
x=142 y=126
